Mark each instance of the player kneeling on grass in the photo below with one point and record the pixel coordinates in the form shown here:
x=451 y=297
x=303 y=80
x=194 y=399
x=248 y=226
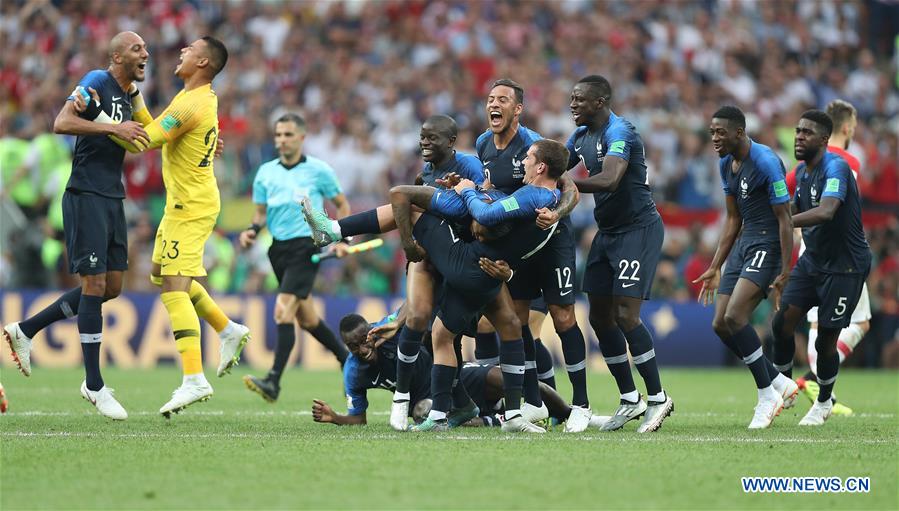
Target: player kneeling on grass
x=372 y=365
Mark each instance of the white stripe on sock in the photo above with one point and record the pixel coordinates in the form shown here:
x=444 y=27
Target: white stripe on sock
x=547 y=374
x=580 y=365
x=90 y=338
x=493 y=361
x=511 y=369
x=646 y=357
x=408 y=359
x=620 y=359
x=757 y=354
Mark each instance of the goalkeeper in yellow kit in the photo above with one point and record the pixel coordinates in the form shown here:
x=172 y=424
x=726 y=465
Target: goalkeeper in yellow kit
x=187 y=131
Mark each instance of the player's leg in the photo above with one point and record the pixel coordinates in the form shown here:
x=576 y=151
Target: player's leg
x=179 y=252
x=745 y=298
x=442 y=374
x=501 y=313
x=486 y=344
x=798 y=297
x=533 y=408
x=19 y=335
x=545 y=371
x=463 y=406
x=838 y=294
x=419 y=307
x=96 y=248
x=285 y=316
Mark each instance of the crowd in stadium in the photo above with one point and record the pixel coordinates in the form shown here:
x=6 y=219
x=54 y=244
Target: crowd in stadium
x=365 y=74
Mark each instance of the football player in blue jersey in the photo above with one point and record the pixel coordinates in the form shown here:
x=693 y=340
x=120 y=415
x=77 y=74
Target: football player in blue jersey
x=93 y=211
x=623 y=258
x=837 y=259
x=502 y=149
x=757 y=243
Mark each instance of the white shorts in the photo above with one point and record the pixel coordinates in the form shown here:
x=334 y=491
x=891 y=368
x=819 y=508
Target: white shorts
x=861 y=313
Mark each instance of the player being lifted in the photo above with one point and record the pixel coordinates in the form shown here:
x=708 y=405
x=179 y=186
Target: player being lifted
x=93 y=213
x=832 y=271
x=502 y=150
x=469 y=290
x=623 y=258
x=437 y=140
x=845 y=121
x=188 y=130
x=757 y=243
x=276 y=188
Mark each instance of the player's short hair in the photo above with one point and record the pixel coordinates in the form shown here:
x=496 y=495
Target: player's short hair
x=733 y=114
x=599 y=85
x=820 y=118
x=508 y=82
x=218 y=54
x=351 y=322
x=554 y=154
x=294 y=118
x=444 y=124
x=840 y=112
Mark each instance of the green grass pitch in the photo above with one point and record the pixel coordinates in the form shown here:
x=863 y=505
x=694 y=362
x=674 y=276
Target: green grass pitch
x=238 y=452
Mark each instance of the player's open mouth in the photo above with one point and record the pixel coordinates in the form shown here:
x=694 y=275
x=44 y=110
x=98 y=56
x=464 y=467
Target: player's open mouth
x=426 y=152
x=575 y=115
x=496 y=118
x=142 y=65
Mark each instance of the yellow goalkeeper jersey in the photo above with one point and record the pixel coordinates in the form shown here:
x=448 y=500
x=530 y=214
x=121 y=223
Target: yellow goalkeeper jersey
x=189 y=128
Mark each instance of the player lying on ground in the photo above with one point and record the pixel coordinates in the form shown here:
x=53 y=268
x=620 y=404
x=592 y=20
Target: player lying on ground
x=373 y=348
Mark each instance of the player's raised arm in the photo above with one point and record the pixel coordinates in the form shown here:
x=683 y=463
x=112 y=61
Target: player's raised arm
x=517 y=206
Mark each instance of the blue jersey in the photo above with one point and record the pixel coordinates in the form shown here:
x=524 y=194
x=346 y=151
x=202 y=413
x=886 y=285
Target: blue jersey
x=281 y=189
x=630 y=206
x=97 y=160
x=838 y=245
x=758 y=184
x=521 y=205
x=466 y=165
x=505 y=167
x=359 y=376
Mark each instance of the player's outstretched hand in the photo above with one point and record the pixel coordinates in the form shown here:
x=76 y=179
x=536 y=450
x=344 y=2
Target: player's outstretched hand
x=546 y=218
x=710 y=280
x=777 y=288
x=450 y=180
x=219 y=147
x=247 y=238
x=414 y=252
x=321 y=411
x=499 y=270
x=132 y=131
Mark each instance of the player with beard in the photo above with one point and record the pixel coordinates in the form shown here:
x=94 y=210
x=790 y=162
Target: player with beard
x=832 y=271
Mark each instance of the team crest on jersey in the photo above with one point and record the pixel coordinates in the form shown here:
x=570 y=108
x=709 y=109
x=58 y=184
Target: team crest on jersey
x=813 y=195
x=744 y=188
x=516 y=164
x=599 y=150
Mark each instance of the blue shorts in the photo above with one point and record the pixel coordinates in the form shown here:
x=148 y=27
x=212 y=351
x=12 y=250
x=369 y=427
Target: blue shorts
x=467 y=289
x=624 y=264
x=550 y=273
x=757 y=260
x=96 y=234
x=835 y=294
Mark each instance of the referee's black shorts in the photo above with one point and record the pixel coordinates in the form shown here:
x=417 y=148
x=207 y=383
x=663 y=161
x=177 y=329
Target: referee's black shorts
x=294 y=269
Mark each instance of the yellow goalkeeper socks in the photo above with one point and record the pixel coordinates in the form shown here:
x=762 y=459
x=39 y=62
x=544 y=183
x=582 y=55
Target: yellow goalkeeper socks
x=207 y=308
x=186 y=328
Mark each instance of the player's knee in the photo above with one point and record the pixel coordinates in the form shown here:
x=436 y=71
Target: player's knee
x=626 y=320
x=826 y=345
x=733 y=323
x=601 y=322
x=94 y=287
x=719 y=325
x=418 y=317
x=509 y=326
x=112 y=291
x=563 y=317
